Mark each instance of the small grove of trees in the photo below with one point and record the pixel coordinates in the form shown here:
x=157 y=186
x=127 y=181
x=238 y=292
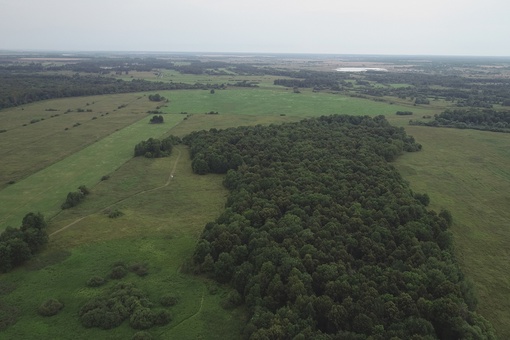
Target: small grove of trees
x=17 y=245
x=75 y=197
x=157 y=119
x=155 y=148
x=403 y=113
x=421 y=100
x=156 y=97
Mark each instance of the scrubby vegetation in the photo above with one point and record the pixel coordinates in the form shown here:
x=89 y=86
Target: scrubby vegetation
x=50 y=307
x=123 y=302
x=321 y=237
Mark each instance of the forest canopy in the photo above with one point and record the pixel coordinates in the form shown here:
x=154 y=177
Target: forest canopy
x=321 y=237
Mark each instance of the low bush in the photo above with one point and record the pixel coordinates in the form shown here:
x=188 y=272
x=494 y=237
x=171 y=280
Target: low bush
x=96 y=281
x=168 y=300
x=50 y=307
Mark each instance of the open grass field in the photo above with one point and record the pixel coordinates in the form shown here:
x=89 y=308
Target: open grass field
x=158 y=228
x=280 y=101
x=53 y=135
x=468 y=173
x=47 y=189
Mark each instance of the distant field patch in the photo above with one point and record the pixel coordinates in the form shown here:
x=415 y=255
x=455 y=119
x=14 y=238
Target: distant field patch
x=276 y=102
x=61 y=127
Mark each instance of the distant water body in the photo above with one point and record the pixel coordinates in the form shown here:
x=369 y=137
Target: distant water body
x=360 y=69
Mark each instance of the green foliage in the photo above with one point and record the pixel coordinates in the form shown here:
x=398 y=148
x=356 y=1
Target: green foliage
x=140 y=269
x=111 y=310
x=142 y=318
x=168 y=300
x=487 y=119
x=18 y=245
x=75 y=197
x=118 y=272
x=155 y=148
x=157 y=119
x=50 y=307
x=96 y=281
x=142 y=335
x=321 y=235
x=115 y=213
x=156 y=97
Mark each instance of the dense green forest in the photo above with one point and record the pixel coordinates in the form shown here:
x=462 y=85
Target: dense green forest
x=321 y=237
x=490 y=120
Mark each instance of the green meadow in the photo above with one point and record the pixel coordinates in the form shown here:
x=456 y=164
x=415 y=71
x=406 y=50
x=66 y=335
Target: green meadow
x=47 y=189
x=280 y=101
x=464 y=171
x=468 y=173
x=58 y=130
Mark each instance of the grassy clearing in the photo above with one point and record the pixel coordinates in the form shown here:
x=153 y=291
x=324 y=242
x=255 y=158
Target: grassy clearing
x=46 y=190
x=197 y=313
x=468 y=172
x=277 y=102
x=159 y=228
x=56 y=134
x=265 y=81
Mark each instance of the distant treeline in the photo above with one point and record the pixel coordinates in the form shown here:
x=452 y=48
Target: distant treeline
x=465 y=92
x=18 y=89
x=322 y=239
x=490 y=120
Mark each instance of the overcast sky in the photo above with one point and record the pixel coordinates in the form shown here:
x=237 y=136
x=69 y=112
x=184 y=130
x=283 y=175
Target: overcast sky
x=430 y=27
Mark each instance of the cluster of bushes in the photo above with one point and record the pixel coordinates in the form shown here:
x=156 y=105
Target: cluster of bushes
x=157 y=119
x=322 y=238
x=75 y=197
x=156 y=97
x=50 y=307
x=155 y=148
x=404 y=113
x=18 y=245
x=123 y=302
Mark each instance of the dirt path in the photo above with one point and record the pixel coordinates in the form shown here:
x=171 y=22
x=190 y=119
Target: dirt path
x=168 y=181
x=194 y=314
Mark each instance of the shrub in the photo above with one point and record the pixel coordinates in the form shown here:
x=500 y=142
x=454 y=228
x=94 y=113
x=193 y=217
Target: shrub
x=50 y=307
x=118 y=272
x=105 y=177
x=96 y=281
x=142 y=318
x=233 y=300
x=168 y=300
x=142 y=335
x=161 y=317
x=139 y=269
x=115 y=213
